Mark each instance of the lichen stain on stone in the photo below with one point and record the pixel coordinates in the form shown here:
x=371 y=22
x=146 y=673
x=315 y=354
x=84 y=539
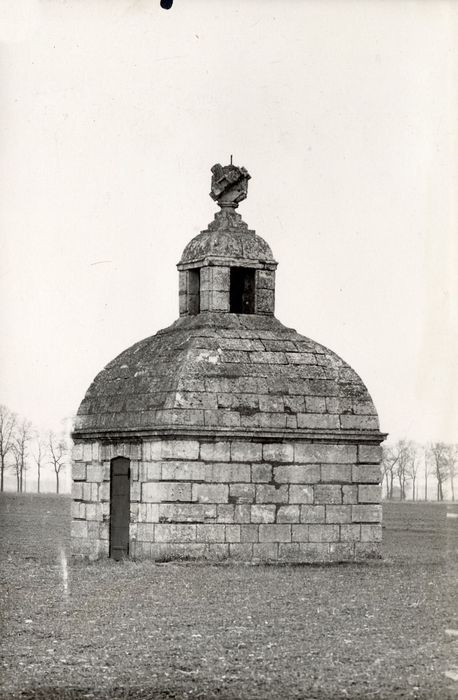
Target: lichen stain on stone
x=209 y=356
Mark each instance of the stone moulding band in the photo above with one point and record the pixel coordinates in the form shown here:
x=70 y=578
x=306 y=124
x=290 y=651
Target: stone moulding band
x=373 y=437
x=216 y=261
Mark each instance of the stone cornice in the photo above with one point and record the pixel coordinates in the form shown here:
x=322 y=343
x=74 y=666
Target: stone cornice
x=140 y=434
x=219 y=261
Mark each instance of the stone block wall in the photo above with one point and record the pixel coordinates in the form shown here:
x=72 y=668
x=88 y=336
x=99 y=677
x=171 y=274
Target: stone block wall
x=214 y=290
x=288 y=501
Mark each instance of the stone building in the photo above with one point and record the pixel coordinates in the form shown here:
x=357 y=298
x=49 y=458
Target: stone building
x=227 y=435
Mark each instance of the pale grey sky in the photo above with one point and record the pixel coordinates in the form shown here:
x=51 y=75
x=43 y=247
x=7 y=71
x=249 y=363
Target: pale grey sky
x=345 y=113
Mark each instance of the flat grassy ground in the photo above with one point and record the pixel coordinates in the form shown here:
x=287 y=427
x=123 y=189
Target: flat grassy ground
x=140 y=630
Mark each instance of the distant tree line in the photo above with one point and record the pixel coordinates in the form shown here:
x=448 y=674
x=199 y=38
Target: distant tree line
x=24 y=448
x=406 y=463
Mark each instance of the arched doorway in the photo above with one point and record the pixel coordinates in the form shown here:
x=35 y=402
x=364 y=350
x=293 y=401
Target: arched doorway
x=119 y=507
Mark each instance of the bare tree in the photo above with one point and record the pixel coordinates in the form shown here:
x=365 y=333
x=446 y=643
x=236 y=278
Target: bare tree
x=7 y=425
x=428 y=471
x=58 y=454
x=38 y=457
x=21 y=439
x=402 y=448
x=389 y=461
x=439 y=454
x=452 y=467
x=411 y=464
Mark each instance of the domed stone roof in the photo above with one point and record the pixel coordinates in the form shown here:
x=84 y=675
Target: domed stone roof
x=227 y=237
x=222 y=373
x=227 y=365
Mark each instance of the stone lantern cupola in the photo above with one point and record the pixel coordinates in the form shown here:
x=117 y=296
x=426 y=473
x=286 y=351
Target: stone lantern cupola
x=227 y=435
x=227 y=268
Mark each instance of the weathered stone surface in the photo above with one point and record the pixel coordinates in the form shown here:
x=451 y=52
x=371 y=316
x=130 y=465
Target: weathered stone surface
x=148 y=512
x=175 y=533
x=186 y=512
x=300 y=533
x=261 y=473
x=341 y=551
x=349 y=494
x=243 y=552
x=300 y=493
x=145 y=532
x=180 y=449
x=242 y=513
x=249 y=533
x=159 y=491
x=328 y=493
x=265 y=279
x=135 y=491
x=210 y=533
x=323 y=533
x=265 y=551
x=371 y=533
x=94 y=511
x=275 y=533
x=78 y=510
x=278 y=452
x=368 y=454
x=297 y=474
x=310 y=552
x=241 y=493
x=151 y=471
x=77 y=452
x=232 y=533
x=79 y=471
x=312 y=514
x=318 y=420
x=265 y=301
x=77 y=490
x=152 y=450
x=366 y=474
x=79 y=529
x=246 y=452
x=359 y=422
x=368 y=550
x=210 y=493
x=228 y=472
x=180 y=471
x=366 y=514
x=90 y=492
x=215 y=451
x=266 y=493
x=287 y=514
x=289 y=551
x=328 y=454
x=225 y=513
x=338 y=514
x=350 y=533
x=263 y=514
x=369 y=493
x=336 y=473
x=315 y=404
x=172 y=551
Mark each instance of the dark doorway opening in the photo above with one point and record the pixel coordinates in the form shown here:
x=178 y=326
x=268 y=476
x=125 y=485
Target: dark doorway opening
x=194 y=291
x=242 y=291
x=119 y=507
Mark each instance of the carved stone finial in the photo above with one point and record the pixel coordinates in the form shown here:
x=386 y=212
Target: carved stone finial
x=229 y=185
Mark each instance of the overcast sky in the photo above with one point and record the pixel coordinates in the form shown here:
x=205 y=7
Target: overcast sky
x=345 y=115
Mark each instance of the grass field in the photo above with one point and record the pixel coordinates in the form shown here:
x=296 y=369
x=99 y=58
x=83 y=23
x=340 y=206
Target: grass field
x=139 y=630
